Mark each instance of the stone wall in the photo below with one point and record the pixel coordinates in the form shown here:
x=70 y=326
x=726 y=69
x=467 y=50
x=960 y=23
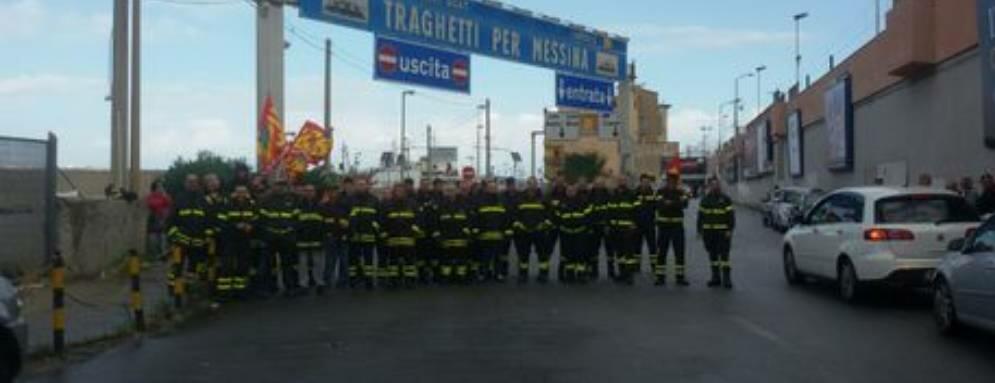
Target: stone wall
x=95 y=234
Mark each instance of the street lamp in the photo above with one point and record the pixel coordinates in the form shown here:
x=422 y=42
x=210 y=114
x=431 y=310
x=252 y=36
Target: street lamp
x=737 y=101
x=404 y=111
x=798 y=53
x=704 y=140
x=760 y=70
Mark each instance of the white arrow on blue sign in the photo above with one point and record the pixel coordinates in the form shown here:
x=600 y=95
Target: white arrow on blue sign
x=584 y=93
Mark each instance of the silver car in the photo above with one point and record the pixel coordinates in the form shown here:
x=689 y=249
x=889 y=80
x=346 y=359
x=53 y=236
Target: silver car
x=787 y=204
x=964 y=284
x=13 y=332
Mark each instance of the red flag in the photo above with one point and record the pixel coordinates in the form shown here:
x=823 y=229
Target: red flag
x=270 y=141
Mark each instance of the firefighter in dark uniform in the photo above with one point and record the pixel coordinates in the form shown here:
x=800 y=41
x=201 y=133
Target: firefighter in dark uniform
x=187 y=228
x=532 y=223
x=453 y=235
x=278 y=216
x=573 y=218
x=363 y=229
x=399 y=231
x=509 y=198
x=214 y=202
x=238 y=220
x=557 y=193
x=311 y=235
x=623 y=232
x=598 y=197
x=645 y=219
x=672 y=200
x=492 y=228
x=426 y=248
x=716 y=222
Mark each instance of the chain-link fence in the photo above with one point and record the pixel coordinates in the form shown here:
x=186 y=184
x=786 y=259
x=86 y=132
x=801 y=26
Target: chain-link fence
x=27 y=202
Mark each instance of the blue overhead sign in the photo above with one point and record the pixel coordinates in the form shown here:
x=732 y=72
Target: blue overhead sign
x=419 y=65
x=583 y=93
x=486 y=28
x=986 y=43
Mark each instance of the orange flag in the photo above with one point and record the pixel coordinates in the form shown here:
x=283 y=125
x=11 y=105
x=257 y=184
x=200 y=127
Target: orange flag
x=270 y=141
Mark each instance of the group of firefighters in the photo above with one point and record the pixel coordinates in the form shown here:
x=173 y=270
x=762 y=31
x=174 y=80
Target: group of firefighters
x=258 y=238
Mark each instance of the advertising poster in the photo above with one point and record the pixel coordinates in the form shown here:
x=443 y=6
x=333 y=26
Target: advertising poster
x=839 y=126
x=796 y=153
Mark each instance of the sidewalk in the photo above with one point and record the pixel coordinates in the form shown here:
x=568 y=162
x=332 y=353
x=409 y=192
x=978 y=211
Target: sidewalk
x=95 y=308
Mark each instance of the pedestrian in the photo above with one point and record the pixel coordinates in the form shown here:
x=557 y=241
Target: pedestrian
x=426 y=251
x=986 y=201
x=492 y=227
x=716 y=222
x=646 y=229
x=159 y=204
x=557 y=194
x=363 y=229
x=623 y=232
x=453 y=235
x=336 y=257
x=311 y=234
x=279 y=219
x=671 y=202
x=532 y=224
x=214 y=201
x=573 y=218
x=599 y=197
x=399 y=230
x=238 y=219
x=187 y=226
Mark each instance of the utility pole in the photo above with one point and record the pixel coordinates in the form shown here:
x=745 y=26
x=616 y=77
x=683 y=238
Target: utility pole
x=428 y=147
x=270 y=46
x=760 y=70
x=798 y=52
x=487 y=137
x=403 y=158
x=136 y=98
x=119 y=94
x=877 y=17
x=704 y=140
x=328 y=95
x=479 y=128
x=535 y=133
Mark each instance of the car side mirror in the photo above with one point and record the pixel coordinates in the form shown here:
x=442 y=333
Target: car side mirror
x=957 y=245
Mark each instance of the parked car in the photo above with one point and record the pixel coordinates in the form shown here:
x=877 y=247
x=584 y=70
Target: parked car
x=964 y=286
x=13 y=332
x=786 y=205
x=864 y=235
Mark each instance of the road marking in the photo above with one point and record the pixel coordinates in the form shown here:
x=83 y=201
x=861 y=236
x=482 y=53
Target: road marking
x=759 y=330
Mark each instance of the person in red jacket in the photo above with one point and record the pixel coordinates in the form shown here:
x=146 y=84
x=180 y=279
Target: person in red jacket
x=159 y=205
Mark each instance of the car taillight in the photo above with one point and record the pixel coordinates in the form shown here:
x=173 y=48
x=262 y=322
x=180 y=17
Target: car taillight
x=883 y=235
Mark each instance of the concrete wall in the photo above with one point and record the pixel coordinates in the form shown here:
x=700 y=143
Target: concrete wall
x=94 y=234
x=91 y=182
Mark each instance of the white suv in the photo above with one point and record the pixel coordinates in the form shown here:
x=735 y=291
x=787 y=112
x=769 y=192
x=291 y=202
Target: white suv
x=876 y=234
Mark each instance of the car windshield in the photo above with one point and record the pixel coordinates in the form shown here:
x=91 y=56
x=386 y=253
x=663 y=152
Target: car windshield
x=925 y=209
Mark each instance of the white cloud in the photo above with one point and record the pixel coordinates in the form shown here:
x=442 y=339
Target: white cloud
x=28 y=19
x=21 y=85
x=20 y=18
x=652 y=38
x=685 y=127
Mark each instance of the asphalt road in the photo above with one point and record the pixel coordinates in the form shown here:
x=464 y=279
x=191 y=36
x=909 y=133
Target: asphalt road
x=763 y=331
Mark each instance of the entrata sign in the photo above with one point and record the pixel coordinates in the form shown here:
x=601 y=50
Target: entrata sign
x=482 y=27
x=582 y=93
x=417 y=65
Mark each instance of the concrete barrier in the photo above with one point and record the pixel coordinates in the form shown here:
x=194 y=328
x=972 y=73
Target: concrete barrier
x=96 y=234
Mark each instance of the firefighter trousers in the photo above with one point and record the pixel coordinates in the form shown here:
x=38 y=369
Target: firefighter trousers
x=399 y=266
x=625 y=249
x=574 y=256
x=487 y=258
x=454 y=263
x=670 y=237
x=718 y=244
x=646 y=238
x=233 y=267
x=525 y=242
x=361 y=266
x=282 y=250
x=311 y=266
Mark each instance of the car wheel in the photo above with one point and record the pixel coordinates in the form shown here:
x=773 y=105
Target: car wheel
x=791 y=273
x=847 y=281
x=944 y=311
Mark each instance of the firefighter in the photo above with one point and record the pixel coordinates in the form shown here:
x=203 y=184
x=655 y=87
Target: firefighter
x=491 y=227
x=279 y=218
x=509 y=198
x=573 y=218
x=644 y=219
x=453 y=235
x=238 y=220
x=671 y=202
x=532 y=224
x=311 y=235
x=716 y=222
x=333 y=211
x=598 y=198
x=214 y=203
x=623 y=232
x=363 y=229
x=426 y=249
x=398 y=234
x=557 y=194
x=187 y=227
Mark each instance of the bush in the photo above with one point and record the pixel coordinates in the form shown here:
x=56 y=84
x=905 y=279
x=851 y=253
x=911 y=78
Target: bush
x=582 y=166
x=206 y=162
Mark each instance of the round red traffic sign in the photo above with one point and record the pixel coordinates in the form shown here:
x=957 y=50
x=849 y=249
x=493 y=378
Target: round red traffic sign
x=461 y=71
x=387 y=58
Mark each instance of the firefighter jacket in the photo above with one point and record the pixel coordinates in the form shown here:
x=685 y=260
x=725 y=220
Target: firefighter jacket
x=599 y=199
x=279 y=214
x=670 y=206
x=647 y=204
x=716 y=213
x=238 y=218
x=427 y=213
x=311 y=227
x=214 y=203
x=530 y=212
x=188 y=224
x=363 y=211
x=574 y=216
x=398 y=222
x=453 y=226
x=491 y=220
x=620 y=213
x=336 y=218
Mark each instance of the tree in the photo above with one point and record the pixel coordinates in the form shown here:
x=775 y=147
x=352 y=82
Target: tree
x=205 y=162
x=582 y=166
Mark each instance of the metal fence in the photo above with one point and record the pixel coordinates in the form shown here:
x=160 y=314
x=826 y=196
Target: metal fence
x=27 y=202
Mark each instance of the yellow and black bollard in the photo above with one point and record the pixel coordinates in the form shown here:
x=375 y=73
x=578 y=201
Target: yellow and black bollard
x=58 y=304
x=176 y=268
x=135 y=273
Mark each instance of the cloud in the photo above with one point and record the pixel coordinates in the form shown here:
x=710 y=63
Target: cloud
x=652 y=38
x=20 y=18
x=21 y=85
x=685 y=127
x=28 y=19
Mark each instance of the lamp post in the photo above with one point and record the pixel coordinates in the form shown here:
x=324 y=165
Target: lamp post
x=798 y=53
x=486 y=107
x=760 y=70
x=737 y=101
x=535 y=133
x=704 y=140
x=404 y=146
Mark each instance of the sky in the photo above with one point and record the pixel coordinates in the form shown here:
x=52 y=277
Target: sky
x=198 y=73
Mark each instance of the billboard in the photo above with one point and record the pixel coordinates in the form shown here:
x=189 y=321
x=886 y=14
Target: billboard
x=761 y=132
x=986 y=41
x=584 y=93
x=839 y=126
x=414 y=64
x=482 y=27
x=796 y=145
x=750 y=154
